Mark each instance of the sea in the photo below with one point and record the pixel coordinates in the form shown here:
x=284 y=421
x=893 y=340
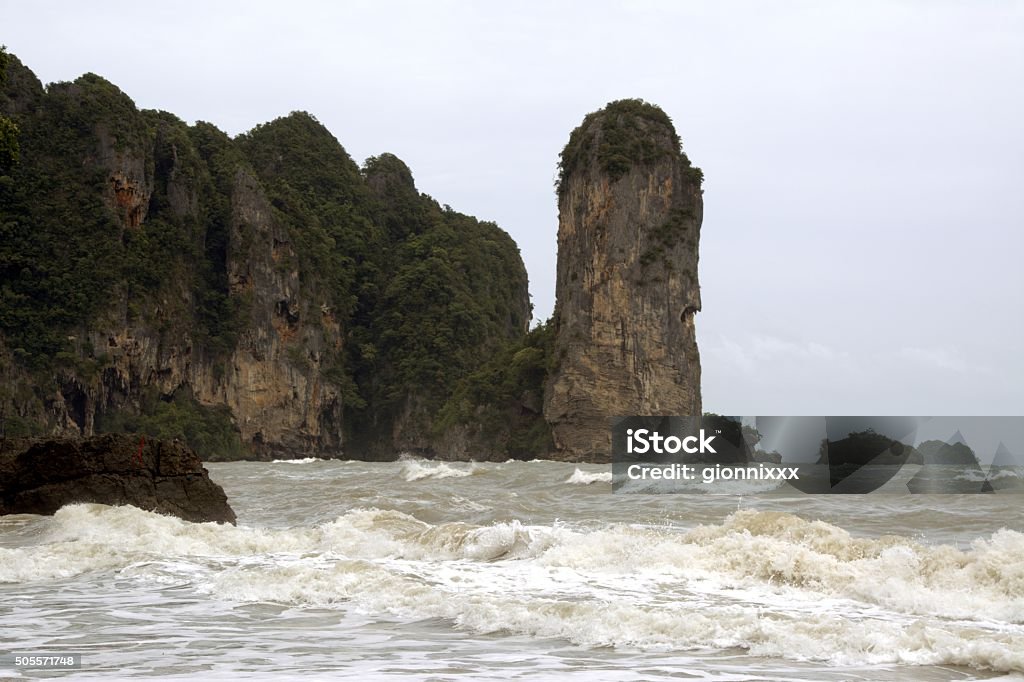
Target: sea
x=429 y=570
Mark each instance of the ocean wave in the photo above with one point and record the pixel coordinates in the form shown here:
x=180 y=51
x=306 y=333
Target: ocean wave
x=769 y=582
x=418 y=469
x=303 y=460
x=580 y=477
x=978 y=476
x=749 y=549
x=523 y=604
x=83 y=538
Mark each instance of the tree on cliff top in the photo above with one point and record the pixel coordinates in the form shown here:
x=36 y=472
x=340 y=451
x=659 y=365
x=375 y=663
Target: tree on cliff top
x=619 y=136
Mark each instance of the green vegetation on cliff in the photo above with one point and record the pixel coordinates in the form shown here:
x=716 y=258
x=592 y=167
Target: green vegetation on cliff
x=502 y=400
x=424 y=289
x=620 y=135
x=207 y=430
x=318 y=194
x=9 y=148
x=125 y=226
x=69 y=250
x=60 y=251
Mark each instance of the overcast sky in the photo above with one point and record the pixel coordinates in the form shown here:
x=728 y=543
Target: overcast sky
x=863 y=231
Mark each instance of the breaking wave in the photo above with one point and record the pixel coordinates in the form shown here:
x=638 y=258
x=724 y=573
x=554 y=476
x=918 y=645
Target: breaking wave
x=416 y=470
x=977 y=475
x=768 y=582
x=580 y=477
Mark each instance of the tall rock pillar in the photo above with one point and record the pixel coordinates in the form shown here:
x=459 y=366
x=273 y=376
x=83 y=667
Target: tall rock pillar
x=630 y=209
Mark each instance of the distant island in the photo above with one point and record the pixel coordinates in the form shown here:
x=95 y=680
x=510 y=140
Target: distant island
x=264 y=296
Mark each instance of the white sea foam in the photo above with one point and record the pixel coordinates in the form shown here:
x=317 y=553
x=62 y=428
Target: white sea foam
x=303 y=460
x=977 y=475
x=418 y=469
x=580 y=477
x=534 y=603
x=768 y=582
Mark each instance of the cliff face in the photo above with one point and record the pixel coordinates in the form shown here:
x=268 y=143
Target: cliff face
x=496 y=413
x=630 y=211
x=274 y=382
x=260 y=296
x=453 y=294
x=146 y=338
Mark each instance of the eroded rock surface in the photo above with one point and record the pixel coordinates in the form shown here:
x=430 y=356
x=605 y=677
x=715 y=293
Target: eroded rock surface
x=630 y=210
x=41 y=476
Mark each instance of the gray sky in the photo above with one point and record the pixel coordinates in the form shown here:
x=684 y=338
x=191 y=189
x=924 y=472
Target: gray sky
x=864 y=217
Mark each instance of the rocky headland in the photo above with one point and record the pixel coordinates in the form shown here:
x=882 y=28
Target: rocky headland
x=259 y=297
x=265 y=297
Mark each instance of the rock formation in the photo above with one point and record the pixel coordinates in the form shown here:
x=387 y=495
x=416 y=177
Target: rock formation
x=41 y=476
x=264 y=285
x=630 y=210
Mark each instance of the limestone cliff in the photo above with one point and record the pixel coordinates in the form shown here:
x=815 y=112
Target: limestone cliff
x=455 y=295
x=254 y=341
x=259 y=296
x=630 y=210
x=496 y=413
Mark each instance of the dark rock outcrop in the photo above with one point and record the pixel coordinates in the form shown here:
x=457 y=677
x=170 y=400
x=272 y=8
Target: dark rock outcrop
x=630 y=209
x=948 y=454
x=41 y=476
